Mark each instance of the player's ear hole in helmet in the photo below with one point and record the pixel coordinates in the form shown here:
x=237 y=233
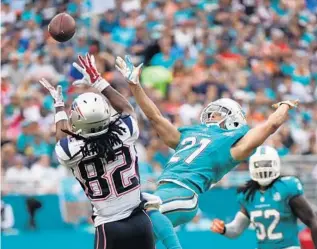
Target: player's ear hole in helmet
x=90 y=121
x=226 y=113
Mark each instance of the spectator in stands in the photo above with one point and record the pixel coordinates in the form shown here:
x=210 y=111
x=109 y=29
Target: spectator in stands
x=44 y=176
x=200 y=50
x=108 y=22
x=18 y=177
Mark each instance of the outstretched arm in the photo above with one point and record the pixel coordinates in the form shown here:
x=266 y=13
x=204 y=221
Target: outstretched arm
x=118 y=102
x=92 y=78
x=164 y=128
x=256 y=136
x=305 y=213
x=61 y=118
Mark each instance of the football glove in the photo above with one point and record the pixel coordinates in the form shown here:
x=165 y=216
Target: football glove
x=57 y=93
x=128 y=70
x=291 y=103
x=91 y=77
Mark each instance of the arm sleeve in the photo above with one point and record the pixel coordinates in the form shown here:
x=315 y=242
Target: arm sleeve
x=237 y=226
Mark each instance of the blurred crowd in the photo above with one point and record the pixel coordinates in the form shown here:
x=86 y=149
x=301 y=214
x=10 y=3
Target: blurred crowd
x=194 y=51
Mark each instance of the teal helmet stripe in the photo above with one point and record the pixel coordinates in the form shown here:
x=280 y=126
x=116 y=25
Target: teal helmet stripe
x=262 y=150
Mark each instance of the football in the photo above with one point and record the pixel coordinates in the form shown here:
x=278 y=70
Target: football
x=62 y=27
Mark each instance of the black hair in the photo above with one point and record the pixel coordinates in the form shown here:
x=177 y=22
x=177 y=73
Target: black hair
x=100 y=145
x=251 y=186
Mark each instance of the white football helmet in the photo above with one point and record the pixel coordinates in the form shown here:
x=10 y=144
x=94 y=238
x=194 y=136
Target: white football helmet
x=90 y=114
x=232 y=114
x=265 y=165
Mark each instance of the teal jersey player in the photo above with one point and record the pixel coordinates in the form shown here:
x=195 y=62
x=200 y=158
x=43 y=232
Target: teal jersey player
x=270 y=203
x=203 y=156
x=203 y=153
x=271 y=214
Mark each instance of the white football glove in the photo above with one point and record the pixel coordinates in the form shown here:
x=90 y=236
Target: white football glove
x=128 y=70
x=291 y=103
x=57 y=93
x=91 y=77
x=152 y=201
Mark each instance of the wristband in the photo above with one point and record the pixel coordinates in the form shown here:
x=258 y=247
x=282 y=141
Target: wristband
x=101 y=84
x=224 y=230
x=61 y=115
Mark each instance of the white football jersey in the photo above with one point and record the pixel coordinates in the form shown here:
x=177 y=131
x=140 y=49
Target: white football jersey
x=112 y=187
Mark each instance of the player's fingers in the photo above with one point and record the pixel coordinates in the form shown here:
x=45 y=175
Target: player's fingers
x=46 y=84
x=120 y=62
x=59 y=90
x=88 y=60
x=216 y=228
x=219 y=223
x=79 y=68
x=93 y=61
x=128 y=59
x=120 y=70
x=139 y=69
x=296 y=102
x=129 y=62
x=275 y=106
x=119 y=59
x=82 y=61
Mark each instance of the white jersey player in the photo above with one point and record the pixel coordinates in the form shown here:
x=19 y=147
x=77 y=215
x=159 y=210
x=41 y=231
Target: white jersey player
x=102 y=156
x=112 y=186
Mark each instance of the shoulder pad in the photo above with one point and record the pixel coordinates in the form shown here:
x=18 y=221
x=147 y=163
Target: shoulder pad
x=62 y=149
x=293 y=186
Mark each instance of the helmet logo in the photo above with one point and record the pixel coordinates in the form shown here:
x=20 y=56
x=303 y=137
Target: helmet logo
x=76 y=108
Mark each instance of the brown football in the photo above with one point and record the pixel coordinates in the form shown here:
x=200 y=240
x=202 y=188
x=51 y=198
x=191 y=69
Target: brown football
x=62 y=27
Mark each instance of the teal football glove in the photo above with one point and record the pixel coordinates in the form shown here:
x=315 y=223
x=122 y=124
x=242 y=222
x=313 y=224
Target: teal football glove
x=128 y=70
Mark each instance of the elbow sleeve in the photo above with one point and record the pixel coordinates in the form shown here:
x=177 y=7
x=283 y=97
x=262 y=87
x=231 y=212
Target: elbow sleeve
x=237 y=226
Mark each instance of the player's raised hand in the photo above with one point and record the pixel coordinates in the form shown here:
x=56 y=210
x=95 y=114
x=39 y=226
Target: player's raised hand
x=291 y=103
x=56 y=93
x=128 y=70
x=91 y=76
x=217 y=226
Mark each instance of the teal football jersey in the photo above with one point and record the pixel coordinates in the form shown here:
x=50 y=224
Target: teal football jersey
x=271 y=215
x=202 y=156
